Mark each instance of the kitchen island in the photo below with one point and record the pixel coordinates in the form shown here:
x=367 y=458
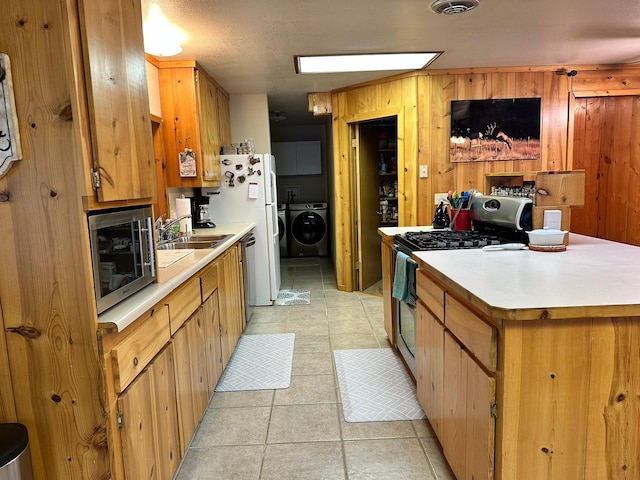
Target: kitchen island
x=528 y=363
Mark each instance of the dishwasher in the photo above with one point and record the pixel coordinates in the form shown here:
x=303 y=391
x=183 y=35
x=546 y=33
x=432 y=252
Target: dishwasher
x=247 y=242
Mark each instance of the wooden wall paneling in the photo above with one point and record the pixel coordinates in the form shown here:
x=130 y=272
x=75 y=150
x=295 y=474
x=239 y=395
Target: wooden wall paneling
x=619 y=110
x=424 y=197
x=633 y=192
x=604 y=166
x=443 y=89
x=7 y=403
x=46 y=289
x=408 y=145
x=530 y=85
x=586 y=154
x=553 y=135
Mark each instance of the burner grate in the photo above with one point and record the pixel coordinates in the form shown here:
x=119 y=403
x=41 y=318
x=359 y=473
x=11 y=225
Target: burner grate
x=445 y=240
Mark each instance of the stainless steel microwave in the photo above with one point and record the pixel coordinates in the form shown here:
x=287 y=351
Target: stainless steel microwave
x=122 y=253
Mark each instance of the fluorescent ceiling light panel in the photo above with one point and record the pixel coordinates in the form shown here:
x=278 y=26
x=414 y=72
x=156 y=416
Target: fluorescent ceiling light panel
x=363 y=62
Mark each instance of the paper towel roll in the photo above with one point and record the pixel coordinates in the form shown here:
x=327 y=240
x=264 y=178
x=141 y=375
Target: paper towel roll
x=183 y=207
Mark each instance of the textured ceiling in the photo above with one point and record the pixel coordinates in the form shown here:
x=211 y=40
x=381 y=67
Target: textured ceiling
x=248 y=45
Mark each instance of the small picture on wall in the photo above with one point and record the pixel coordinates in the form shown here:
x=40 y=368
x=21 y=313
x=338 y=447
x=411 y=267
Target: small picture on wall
x=489 y=130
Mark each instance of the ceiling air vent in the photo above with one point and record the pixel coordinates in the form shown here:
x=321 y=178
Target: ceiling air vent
x=450 y=7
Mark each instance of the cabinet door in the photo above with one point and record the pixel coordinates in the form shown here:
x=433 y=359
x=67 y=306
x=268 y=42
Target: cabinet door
x=224 y=117
x=118 y=99
x=212 y=335
x=455 y=408
x=429 y=367
x=308 y=158
x=178 y=98
x=285 y=153
x=209 y=171
x=231 y=297
x=149 y=434
x=191 y=376
x=480 y=423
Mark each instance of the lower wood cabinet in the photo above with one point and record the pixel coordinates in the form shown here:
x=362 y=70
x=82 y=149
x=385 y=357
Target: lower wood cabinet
x=212 y=338
x=469 y=425
x=162 y=370
x=190 y=376
x=232 y=314
x=455 y=361
x=430 y=367
x=149 y=421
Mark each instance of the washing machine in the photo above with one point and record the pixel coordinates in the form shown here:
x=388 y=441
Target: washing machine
x=283 y=229
x=308 y=229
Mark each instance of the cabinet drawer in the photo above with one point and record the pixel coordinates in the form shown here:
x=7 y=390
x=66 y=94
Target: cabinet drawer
x=132 y=354
x=209 y=281
x=430 y=293
x=476 y=335
x=183 y=302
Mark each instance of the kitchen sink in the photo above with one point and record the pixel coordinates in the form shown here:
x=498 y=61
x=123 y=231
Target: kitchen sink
x=206 y=238
x=175 y=245
x=193 y=241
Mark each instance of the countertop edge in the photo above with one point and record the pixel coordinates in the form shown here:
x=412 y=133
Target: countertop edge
x=120 y=316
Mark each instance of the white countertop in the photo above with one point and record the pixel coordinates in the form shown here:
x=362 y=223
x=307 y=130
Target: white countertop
x=590 y=273
x=126 y=312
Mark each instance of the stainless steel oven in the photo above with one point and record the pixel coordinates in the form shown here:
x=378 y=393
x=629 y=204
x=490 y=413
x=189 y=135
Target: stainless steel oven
x=122 y=253
x=405 y=321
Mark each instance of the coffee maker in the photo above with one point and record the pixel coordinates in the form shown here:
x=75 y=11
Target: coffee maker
x=200 y=212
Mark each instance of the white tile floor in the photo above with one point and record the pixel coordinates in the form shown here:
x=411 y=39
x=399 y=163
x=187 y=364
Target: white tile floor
x=300 y=433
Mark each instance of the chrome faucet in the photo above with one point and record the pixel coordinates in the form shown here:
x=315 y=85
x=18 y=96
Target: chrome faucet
x=164 y=232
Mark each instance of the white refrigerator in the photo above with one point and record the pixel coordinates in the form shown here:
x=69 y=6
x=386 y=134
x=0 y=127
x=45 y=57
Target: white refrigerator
x=248 y=194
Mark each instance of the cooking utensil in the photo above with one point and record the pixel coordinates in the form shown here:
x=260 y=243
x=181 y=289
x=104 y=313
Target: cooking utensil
x=505 y=246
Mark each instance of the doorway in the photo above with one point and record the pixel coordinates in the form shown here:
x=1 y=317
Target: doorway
x=376 y=190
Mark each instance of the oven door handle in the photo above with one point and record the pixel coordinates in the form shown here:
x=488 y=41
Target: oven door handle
x=410 y=260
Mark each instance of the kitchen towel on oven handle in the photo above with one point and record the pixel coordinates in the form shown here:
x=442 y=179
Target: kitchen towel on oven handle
x=404 y=277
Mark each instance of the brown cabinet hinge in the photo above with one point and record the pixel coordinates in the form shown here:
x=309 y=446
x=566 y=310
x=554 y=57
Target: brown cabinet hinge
x=494 y=410
x=95 y=178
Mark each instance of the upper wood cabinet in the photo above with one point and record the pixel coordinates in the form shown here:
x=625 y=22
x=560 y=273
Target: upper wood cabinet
x=123 y=165
x=195 y=109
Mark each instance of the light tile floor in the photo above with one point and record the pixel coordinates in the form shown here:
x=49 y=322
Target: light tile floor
x=300 y=433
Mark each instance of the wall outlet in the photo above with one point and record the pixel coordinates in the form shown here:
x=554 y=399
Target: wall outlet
x=440 y=197
x=424 y=171
x=292 y=191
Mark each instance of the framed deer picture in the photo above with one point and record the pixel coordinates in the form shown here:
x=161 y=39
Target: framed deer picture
x=495 y=129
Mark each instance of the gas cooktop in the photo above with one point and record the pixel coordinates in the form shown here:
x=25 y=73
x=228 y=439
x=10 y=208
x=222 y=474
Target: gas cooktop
x=444 y=240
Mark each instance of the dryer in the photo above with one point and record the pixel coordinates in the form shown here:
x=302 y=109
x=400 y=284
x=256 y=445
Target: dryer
x=308 y=229
x=283 y=229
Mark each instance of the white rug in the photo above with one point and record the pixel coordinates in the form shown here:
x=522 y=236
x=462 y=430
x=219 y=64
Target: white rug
x=375 y=387
x=259 y=362
x=293 y=297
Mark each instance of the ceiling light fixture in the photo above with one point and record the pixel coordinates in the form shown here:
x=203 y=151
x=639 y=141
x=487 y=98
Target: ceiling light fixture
x=161 y=37
x=363 y=62
x=451 y=7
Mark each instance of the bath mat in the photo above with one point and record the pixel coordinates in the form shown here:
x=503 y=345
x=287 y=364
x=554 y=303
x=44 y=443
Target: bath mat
x=259 y=362
x=375 y=387
x=293 y=297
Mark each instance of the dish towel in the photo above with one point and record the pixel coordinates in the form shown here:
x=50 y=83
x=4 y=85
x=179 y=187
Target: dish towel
x=403 y=277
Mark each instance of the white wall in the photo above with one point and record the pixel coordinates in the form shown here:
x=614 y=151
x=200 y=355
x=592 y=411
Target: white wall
x=250 y=119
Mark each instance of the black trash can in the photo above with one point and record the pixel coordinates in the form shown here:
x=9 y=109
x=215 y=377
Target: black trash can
x=15 y=457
